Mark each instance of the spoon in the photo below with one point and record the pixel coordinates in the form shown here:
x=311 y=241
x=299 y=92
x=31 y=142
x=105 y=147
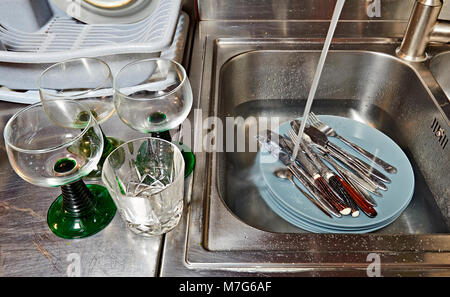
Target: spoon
x=284 y=173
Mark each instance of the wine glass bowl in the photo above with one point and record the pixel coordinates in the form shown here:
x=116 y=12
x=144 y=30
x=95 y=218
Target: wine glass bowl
x=152 y=95
x=88 y=80
x=53 y=151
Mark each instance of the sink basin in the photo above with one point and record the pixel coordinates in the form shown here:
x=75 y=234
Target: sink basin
x=373 y=88
x=439 y=66
x=229 y=230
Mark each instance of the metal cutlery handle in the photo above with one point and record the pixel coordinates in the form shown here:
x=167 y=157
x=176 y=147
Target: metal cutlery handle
x=311 y=177
x=362 y=173
x=349 y=175
x=321 y=138
x=386 y=166
x=359 y=163
x=345 y=176
x=332 y=179
x=323 y=206
x=276 y=151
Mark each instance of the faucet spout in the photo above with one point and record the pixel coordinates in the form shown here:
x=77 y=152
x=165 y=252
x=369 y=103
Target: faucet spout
x=441 y=32
x=423 y=28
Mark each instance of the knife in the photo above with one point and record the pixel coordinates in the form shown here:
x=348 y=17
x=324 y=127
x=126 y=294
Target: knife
x=275 y=150
x=318 y=180
x=320 y=138
x=333 y=180
x=347 y=160
x=342 y=187
x=346 y=176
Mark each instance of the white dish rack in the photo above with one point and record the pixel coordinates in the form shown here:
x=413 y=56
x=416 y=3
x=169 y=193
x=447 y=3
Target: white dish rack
x=25 y=75
x=41 y=34
x=63 y=37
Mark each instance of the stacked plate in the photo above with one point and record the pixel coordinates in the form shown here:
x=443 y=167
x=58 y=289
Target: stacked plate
x=291 y=205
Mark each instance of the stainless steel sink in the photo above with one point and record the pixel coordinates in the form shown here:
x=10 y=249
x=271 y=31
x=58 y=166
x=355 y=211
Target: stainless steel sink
x=440 y=66
x=374 y=88
x=246 y=70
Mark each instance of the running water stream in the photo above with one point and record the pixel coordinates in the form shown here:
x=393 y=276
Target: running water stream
x=318 y=73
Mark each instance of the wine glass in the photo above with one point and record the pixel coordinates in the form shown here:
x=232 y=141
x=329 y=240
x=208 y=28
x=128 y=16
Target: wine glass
x=153 y=96
x=55 y=145
x=90 y=81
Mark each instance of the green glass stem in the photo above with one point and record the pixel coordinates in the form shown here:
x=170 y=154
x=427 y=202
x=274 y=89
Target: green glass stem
x=109 y=144
x=77 y=199
x=108 y=147
x=189 y=159
x=80 y=211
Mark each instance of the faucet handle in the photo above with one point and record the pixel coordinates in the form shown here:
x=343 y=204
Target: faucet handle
x=420 y=26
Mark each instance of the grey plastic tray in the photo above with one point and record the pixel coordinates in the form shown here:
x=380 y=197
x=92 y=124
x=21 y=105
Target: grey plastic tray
x=39 y=15
x=20 y=70
x=27 y=74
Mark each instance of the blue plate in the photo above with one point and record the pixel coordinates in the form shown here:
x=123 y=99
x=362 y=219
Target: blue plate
x=390 y=206
x=305 y=225
x=295 y=220
x=308 y=226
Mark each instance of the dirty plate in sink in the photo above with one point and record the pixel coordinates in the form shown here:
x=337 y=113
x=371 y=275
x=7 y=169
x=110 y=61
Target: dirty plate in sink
x=288 y=202
x=308 y=226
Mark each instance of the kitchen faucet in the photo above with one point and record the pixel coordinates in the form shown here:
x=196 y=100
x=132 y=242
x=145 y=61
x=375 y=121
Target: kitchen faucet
x=423 y=28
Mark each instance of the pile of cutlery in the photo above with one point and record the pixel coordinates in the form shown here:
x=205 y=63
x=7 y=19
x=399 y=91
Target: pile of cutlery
x=343 y=187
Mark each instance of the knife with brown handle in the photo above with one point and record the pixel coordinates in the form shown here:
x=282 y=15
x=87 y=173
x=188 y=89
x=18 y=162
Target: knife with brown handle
x=319 y=181
x=275 y=150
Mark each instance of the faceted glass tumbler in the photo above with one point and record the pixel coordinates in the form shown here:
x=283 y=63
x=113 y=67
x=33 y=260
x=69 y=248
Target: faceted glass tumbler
x=145 y=177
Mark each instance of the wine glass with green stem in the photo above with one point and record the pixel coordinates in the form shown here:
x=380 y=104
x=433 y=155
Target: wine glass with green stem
x=56 y=144
x=154 y=96
x=90 y=81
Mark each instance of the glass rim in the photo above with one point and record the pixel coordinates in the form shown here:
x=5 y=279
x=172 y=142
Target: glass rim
x=7 y=128
x=99 y=86
x=178 y=65
x=106 y=163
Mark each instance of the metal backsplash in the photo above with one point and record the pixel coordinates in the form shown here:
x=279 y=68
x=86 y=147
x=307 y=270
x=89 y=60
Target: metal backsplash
x=383 y=10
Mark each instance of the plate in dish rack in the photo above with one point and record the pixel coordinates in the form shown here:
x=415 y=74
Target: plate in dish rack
x=108 y=12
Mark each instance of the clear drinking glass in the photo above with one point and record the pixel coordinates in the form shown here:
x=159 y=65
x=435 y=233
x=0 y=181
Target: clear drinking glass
x=58 y=151
x=145 y=177
x=154 y=96
x=88 y=80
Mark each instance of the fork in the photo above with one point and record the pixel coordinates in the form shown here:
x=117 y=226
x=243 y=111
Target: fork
x=316 y=122
x=358 y=178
